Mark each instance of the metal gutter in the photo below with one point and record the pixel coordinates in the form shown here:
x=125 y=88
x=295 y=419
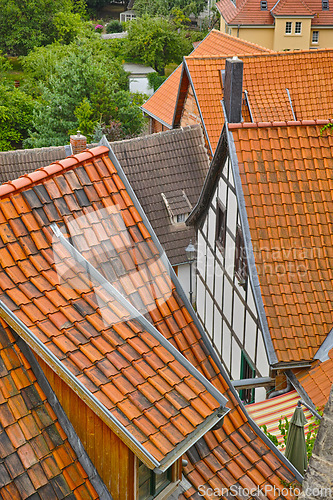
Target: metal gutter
x=156 y=118
x=65 y=423
x=92 y=271
x=299 y=388
x=204 y=336
x=253 y=275
x=65 y=374
x=324 y=349
x=252 y=382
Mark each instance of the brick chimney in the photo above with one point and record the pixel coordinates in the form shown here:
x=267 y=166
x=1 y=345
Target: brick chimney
x=233 y=89
x=78 y=143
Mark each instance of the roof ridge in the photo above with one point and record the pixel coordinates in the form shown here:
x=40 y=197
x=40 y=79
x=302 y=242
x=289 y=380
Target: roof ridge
x=232 y=126
x=263 y=54
x=43 y=172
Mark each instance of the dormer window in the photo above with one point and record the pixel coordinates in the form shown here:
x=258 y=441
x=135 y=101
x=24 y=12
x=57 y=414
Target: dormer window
x=325 y=5
x=263 y=5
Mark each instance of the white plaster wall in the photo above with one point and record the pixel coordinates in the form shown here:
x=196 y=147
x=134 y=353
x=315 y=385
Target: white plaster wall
x=184 y=279
x=140 y=84
x=226 y=346
x=200 y=300
x=236 y=360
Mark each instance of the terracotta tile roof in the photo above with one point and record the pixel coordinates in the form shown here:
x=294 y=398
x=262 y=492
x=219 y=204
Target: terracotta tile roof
x=36 y=458
x=161 y=104
x=153 y=390
x=123 y=365
x=270 y=411
x=286 y=172
x=306 y=74
x=181 y=168
x=249 y=12
x=318 y=382
x=291 y=8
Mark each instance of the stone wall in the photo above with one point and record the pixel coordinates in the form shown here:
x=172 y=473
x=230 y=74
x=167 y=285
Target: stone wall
x=318 y=480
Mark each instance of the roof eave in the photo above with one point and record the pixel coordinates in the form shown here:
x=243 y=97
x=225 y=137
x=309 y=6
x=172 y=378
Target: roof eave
x=192 y=438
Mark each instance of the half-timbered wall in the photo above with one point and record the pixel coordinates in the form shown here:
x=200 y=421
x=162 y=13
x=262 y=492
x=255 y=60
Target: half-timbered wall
x=114 y=461
x=226 y=309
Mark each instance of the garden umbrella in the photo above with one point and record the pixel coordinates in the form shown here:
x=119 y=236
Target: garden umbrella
x=295 y=446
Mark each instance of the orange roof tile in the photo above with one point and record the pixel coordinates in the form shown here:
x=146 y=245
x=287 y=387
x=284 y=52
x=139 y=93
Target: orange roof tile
x=286 y=175
x=306 y=74
x=249 y=12
x=36 y=457
x=76 y=327
x=143 y=383
x=113 y=352
x=291 y=8
x=162 y=103
x=318 y=381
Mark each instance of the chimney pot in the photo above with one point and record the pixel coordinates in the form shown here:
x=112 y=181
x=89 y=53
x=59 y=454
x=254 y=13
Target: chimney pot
x=78 y=143
x=233 y=89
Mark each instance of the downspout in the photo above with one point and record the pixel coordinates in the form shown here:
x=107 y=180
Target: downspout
x=281 y=391
x=238 y=27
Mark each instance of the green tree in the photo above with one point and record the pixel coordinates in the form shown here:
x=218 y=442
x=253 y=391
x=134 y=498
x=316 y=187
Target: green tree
x=156 y=42
x=85 y=85
x=28 y=24
x=16 y=112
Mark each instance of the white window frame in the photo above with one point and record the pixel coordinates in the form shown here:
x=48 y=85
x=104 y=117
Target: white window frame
x=289 y=25
x=298 y=27
x=315 y=37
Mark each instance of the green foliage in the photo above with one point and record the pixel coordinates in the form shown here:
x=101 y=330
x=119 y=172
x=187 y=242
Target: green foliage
x=155 y=80
x=25 y=25
x=154 y=41
x=67 y=26
x=79 y=87
x=165 y=7
x=284 y=429
x=273 y=438
x=328 y=127
x=114 y=26
x=15 y=117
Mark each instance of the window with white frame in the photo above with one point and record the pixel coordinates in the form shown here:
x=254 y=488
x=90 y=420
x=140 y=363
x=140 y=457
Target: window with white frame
x=288 y=27
x=298 y=27
x=315 y=36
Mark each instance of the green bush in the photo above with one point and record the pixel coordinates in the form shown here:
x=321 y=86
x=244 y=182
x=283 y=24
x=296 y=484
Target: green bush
x=114 y=26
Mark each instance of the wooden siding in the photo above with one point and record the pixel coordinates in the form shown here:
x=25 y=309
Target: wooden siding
x=113 y=460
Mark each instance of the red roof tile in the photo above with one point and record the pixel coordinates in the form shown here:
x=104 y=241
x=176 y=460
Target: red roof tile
x=162 y=103
x=299 y=72
x=318 y=381
x=293 y=242
x=148 y=387
x=35 y=455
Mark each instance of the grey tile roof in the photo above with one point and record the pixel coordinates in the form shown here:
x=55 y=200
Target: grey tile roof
x=170 y=162
x=13 y=164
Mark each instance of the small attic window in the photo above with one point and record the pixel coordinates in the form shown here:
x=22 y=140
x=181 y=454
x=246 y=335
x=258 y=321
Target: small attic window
x=263 y=5
x=325 y=5
x=179 y=218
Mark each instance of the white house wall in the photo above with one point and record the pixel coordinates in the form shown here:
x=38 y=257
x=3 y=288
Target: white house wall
x=227 y=311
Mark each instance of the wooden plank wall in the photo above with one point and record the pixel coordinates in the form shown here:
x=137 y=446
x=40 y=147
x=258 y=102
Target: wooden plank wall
x=114 y=461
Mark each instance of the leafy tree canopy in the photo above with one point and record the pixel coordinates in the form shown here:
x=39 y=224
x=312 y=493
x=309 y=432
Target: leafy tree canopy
x=25 y=25
x=79 y=87
x=16 y=110
x=156 y=42
x=165 y=7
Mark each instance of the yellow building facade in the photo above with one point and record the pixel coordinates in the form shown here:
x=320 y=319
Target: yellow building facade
x=281 y=31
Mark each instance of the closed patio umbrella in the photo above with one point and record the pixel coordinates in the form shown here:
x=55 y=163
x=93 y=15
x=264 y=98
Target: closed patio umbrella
x=295 y=446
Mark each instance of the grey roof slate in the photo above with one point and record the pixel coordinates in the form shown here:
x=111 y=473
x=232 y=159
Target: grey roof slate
x=13 y=164
x=170 y=162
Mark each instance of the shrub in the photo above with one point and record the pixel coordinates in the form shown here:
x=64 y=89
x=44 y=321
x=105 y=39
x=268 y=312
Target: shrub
x=114 y=26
